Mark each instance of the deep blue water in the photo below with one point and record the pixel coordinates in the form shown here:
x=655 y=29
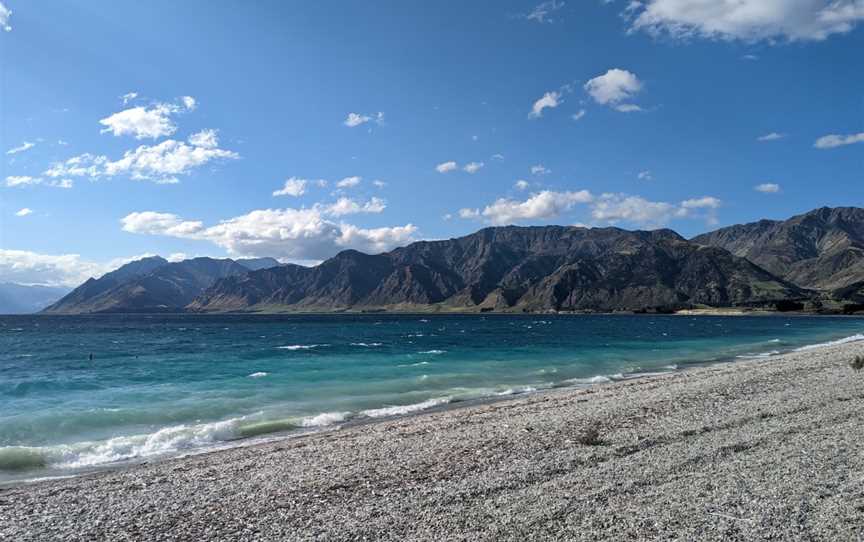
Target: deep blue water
x=162 y=385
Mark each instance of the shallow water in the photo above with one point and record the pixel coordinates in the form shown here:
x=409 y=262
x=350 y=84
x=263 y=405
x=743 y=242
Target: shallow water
x=162 y=385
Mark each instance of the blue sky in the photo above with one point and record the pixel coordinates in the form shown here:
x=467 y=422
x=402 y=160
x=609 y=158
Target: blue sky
x=158 y=127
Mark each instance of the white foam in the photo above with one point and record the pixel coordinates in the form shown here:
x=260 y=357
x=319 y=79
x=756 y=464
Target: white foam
x=433 y=352
x=396 y=410
x=851 y=339
x=260 y=374
x=367 y=345
x=760 y=355
x=324 y=419
x=300 y=346
x=599 y=379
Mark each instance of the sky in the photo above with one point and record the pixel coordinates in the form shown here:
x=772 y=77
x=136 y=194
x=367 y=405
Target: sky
x=299 y=129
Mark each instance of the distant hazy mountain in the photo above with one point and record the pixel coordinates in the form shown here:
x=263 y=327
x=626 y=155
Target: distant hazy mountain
x=513 y=269
x=822 y=249
x=23 y=299
x=147 y=285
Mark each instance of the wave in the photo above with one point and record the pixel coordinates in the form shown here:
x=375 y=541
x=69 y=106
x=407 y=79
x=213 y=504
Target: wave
x=760 y=355
x=851 y=339
x=599 y=379
x=433 y=352
x=260 y=374
x=406 y=409
x=301 y=346
x=325 y=419
x=367 y=345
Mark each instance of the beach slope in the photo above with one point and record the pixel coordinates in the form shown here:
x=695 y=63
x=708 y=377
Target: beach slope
x=756 y=450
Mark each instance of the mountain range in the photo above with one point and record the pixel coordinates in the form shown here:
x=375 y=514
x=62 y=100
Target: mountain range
x=814 y=260
x=24 y=298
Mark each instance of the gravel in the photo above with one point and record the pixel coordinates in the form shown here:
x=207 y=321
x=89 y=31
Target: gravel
x=755 y=450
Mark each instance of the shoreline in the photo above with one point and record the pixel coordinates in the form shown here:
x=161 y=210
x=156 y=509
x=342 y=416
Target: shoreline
x=437 y=404
x=500 y=427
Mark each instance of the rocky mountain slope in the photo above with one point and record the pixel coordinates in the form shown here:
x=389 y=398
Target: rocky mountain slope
x=822 y=249
x=513 y=269
x=152 y=285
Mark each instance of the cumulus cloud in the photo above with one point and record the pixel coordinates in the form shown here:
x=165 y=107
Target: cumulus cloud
x=290 y=234
x=542 y=12
x=61 y=183
x=347 y=206
x=615 y=208
x=5 y=15
x=542 y=205
x=444 y=167
x=293 y=187
x=550 y=100
x=349 y=182
x=161 y=163
x=379 y=183
x=26 y=267
x=835 y=140
x=21 y=148
x=469 y=213
x=356 y=119
x=24 y=212
x=521 y=184
x=773 y=136
x=22 y=180
x=473 y=167
x=147 y=122
x=767 y=188
x=128 y=97
x=614 y=87
x=747 y=20
x=645 y=176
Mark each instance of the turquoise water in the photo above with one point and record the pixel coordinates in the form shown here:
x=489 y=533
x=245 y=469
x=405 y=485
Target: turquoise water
x=162 y=385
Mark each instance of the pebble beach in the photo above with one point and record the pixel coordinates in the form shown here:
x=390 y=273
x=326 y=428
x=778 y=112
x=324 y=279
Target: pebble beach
x=753 y=450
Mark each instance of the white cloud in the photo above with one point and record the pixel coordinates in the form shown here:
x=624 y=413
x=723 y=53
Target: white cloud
x=497 y=156
x=541 y=12
x=705 y=202
x=5 y=15
x=752 y=58
x=21 y=148
x=26 y=267
x=748 y=20
x=349 y=182
x=540 y=169
x=290 y=234
x=22 y=180
x=24 y=212
x=614 y=208
x=356 y=119
x=469 y=213
x=83 y=165
x=205 y=138
x=645 y=176
x=379 y=183
x=578 y=115
x=627 y=108
x=613 y=87
x=542 y=205
x=62 y=183
x=293 y=187
x=128 y=97
x=473 y=167
x=521 y=184
x=444 y=167
x=347 y=206
x=189 y=103
x=767 y=188
x=835 y=140
x=161 y=163
x=773 y=136
x=549 y=100
x=142 y=122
